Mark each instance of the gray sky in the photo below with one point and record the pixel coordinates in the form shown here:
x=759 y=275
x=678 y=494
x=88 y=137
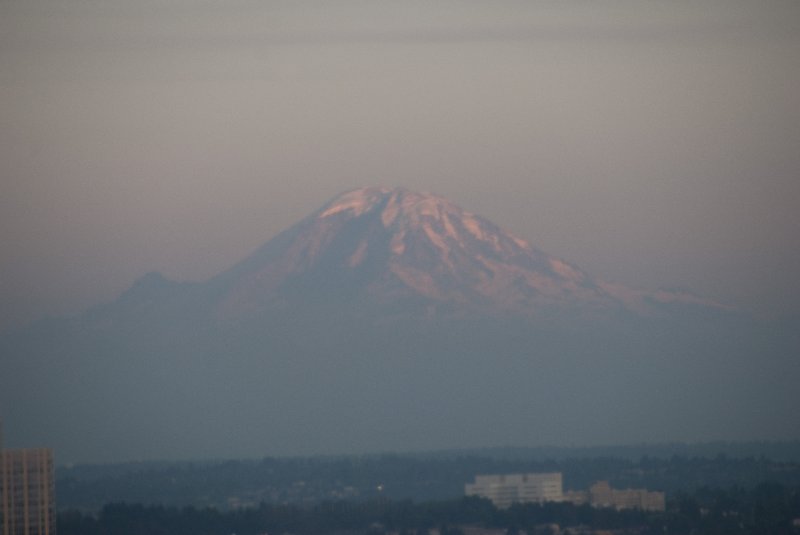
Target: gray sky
x=652 y=143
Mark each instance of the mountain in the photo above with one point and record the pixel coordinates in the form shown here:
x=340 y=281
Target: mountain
x=392 y=320
x=405 y=252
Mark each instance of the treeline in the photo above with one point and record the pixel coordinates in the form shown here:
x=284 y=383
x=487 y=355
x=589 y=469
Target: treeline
x=315 y=480
x=767 y=508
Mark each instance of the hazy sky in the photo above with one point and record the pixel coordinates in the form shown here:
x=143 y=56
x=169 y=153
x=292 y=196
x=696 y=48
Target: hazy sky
x=650 y=143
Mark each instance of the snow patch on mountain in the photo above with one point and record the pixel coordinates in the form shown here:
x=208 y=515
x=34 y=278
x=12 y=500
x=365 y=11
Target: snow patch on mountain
x=356 y=202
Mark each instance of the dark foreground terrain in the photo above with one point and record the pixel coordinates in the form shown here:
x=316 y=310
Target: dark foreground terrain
x=424 y=477
x=768 y=508
x=736 y=490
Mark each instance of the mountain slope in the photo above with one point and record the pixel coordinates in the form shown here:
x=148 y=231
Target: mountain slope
x=389 y=247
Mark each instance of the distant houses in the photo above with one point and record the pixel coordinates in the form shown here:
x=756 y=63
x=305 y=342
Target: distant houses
x=503 y=490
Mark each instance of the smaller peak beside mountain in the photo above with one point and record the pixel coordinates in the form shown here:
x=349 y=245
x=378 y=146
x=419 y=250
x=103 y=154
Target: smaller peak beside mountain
x=152 y=287
x=153 y=280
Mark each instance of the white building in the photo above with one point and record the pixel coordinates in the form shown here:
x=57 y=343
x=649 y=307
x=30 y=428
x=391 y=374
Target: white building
x=505 y=489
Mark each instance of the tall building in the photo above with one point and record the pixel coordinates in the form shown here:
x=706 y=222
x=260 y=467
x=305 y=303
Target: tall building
x=27 y=491
x=505 y=489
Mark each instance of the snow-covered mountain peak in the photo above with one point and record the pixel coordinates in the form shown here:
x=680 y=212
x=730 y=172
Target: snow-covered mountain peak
x=402 y=211
x=381 y=245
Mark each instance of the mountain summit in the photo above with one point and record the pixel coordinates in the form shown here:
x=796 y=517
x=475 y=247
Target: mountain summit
x=398 y=248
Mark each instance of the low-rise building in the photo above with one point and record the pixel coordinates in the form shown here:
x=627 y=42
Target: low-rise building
x=505 y=489
x=600 y=494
